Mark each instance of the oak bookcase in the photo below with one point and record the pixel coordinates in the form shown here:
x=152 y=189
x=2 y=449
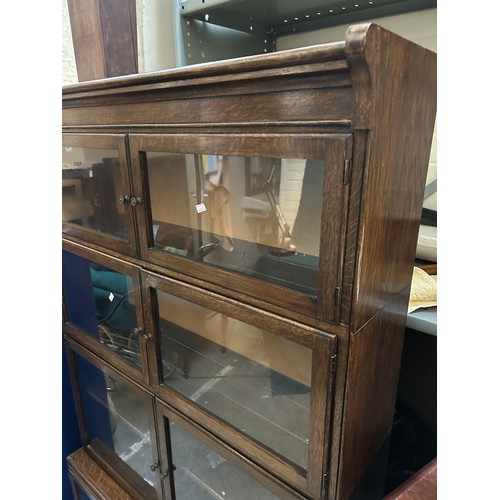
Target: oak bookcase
x=238 y=245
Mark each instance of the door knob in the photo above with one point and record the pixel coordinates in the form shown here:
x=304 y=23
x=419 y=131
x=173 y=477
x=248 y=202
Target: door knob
x=135 y=201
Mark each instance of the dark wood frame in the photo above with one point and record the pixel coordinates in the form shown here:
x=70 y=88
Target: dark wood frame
x=106 y=141
x=79 y=335
x=375 y=87
x=165 y=413
x=77 y=484
x=117 y=469
x=322 y=381
x=85 y=474
x=104 y=38
x=333 y=149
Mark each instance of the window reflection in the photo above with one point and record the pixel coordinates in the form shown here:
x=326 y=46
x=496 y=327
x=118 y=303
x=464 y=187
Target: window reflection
x=82 y=494
x=255 y=380
x=116 y=420
x=202 y=474
x=257 y=216
x=101 y=301
x=90 y=178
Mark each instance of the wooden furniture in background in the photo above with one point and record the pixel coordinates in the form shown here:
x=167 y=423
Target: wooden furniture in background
x=421 y=485
x=363 y=110
x=104 y=37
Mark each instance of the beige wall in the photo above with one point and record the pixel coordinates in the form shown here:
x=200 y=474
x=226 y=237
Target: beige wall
x=155 y=35
x=69 y=74
x=419 y=27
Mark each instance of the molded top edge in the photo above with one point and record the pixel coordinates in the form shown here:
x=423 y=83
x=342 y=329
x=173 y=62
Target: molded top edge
x=286 y=58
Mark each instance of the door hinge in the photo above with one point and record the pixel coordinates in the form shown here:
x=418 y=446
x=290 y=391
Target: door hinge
x=333 y=360
x=347 y=171
x=326 y=481
x=337 y=302
x=338 y=293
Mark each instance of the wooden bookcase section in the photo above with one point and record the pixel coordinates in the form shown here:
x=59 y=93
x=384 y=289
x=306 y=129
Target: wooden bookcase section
x=238 y=240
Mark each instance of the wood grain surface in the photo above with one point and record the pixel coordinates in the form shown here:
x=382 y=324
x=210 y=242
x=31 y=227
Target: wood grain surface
x=422 y=485
x=395 y=91
x=367 y=107
x=93 y=479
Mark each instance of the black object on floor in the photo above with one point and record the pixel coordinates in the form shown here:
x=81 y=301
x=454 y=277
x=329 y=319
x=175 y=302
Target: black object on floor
x=413 y=445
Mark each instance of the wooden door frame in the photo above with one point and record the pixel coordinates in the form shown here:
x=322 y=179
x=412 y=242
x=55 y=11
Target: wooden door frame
x=332 y=149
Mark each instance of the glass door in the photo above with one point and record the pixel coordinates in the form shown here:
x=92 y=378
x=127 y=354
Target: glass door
x=103 y=308
x=116 y=422
x=96 y=194
x=258 y=215
x=260 y=383
x=202 y=467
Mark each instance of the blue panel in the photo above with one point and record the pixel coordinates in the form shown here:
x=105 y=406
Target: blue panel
x=70 y=433
x=93 y=391
x=78 y=293
x=87 y=287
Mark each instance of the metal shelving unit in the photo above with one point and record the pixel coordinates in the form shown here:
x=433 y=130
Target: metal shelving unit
x=211 y=30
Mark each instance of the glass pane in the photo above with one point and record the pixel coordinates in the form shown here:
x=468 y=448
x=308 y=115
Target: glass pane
x=82 y=494
x=202 y=474
x=253 y=379
x=116 y=419
x=102 y=302
x=257 y=216
x=90 y=180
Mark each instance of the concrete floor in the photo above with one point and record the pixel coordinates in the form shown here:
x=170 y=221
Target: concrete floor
x=131 y=435
x=256 y=400
x=202 y=474
x=248 y=395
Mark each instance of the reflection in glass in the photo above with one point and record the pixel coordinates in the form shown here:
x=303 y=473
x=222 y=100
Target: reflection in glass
x=116 y=420
x=257 y=216
x=202 y=474
x=101 y=301
x=90 y=179
x=82 y=494
x=255 y=380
